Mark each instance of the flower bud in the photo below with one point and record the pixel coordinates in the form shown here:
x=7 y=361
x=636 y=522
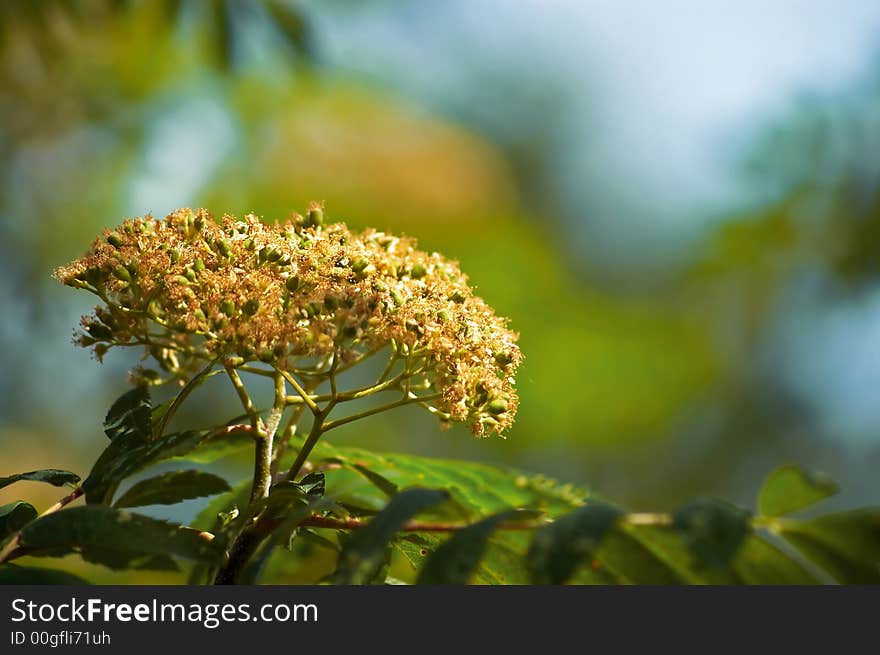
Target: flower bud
x=497 y=406
x=122 y=273
x=223 y=247
x=502 y=358
x=418 y=271
x=114 y=240
x=457 y=296
x=251 y=306
x=316 y=217
x=190 y=275
x=199 y=265
x=292 y=283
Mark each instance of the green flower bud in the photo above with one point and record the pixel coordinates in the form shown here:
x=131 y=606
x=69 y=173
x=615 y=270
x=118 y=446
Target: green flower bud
x=114 y=240
x=227 y=307
x=497 y=406
x=248 y=244
x=200 y=315
x=266 y=356
x=418 y=271
x=223 y=247
x=316 y=217
x=174 y=254
x=122 y=273
x=397 y=297
x=154 y=309
x=179 y=279
x=457 y=296
x=331 y=303
x=444 y=316
x=190 y=275
x=292 y=283
x=358 y=265
x=502 y=358
x=199 y=265
x=251 y=306
x=272 y=255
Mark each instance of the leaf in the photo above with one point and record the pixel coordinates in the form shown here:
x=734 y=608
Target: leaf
x=14 y=516
x=129 y=454
x=55 y=477
x=559 y=548
x=116 y=538
x=846 y=544
x=160 y=417
x=713 y=529
x=27 y=575
x=172 y=487
x=456 y=560
x=790 y=488
x=365 y=551
x=479 y=488
x=292 y=25
x=130 y=415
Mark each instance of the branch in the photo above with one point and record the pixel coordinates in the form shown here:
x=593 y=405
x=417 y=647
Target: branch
x=408 y=400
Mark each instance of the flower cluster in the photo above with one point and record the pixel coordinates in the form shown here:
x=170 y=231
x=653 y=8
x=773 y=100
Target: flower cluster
x=295 y=294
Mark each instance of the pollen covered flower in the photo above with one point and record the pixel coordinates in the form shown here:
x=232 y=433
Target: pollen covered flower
x=298 y=296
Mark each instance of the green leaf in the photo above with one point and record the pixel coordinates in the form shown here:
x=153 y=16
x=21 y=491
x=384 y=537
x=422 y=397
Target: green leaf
x=790 y=488
x=292 y=25
x=129 y=415
x=559 y=548
x=847 y=544
x=55 y=477
x=479 y=488
x=366 y=550
x=14 y=574
x=713 y=529
x=456 y=560
x=116 y=538
x=172 y=487
x=14 y=516
x=129 y=454
x=162 y=415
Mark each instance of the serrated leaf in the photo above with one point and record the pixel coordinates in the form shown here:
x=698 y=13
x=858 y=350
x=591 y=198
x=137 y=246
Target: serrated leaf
x=14 y=516
x=27 y=575
x=118 y=538
x=789 y=489
x=713 y=529
x=55 y=477
x=129 y=454
x=480 y=488
x=365 y=551
x=456 y=560
x=558 y=549
x=130 y=415
x=172 y=487
x=847 y=544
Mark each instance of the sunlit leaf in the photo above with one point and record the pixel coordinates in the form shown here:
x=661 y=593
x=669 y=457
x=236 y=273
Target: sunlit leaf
x=790 y=488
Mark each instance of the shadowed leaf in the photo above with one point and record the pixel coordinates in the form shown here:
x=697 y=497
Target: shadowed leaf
x=364 y=553
x=55 y=477
x=172 y=487
x=14 y=516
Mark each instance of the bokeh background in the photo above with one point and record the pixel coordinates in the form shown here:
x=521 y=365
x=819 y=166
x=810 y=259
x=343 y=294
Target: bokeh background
x=676 y=203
